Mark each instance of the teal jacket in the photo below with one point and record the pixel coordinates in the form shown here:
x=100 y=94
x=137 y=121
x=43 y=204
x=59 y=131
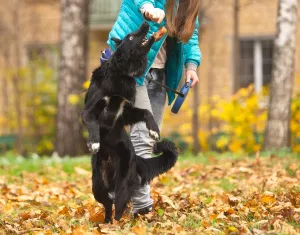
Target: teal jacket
x=179 y=54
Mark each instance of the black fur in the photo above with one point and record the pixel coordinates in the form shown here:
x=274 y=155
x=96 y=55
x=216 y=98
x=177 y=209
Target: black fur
x=115 y=165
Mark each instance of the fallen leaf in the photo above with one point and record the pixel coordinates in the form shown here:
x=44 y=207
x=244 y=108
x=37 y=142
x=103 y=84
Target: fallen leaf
x=234 y=218
x=23 y=198
x=167 y=200
x=80 y=230
x=160 y=212
x=233 y=201
x=268 y=197
x=232 y=229
x=139 y=230
x=63 y=210
x=79 y=212
x=97 y=217
x=25 y=215
x=221 y=216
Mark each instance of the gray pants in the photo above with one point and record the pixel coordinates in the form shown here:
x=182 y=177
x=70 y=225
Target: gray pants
x=152 y=97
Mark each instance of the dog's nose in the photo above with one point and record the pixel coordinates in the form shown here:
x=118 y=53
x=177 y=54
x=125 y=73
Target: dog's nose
x=145 y=24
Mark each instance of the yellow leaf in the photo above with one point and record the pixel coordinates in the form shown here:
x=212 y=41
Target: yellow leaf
x=256 y=147
x=268 y=198
x=63 y=210
x=97 y=217
x=80 y=230
x=233 y=229
x=296 y=148
x=73 y=99
x=86 y=84
x=205 y=224
x=204 y=109
x=243 y=92
x=203 y=136
x=235 y=146
x=215 y=113
x=238 y=130
x=222 y=142
x=139 y=230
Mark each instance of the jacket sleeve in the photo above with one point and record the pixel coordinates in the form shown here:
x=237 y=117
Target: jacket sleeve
x=140 y=3
x=192 y=53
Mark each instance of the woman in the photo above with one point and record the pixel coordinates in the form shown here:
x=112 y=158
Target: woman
x=166 y=60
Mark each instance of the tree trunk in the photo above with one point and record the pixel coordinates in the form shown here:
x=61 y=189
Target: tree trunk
x=236 y=47
x=278 y=126
x=16 y=79
x=72 y=74
x=4 y=87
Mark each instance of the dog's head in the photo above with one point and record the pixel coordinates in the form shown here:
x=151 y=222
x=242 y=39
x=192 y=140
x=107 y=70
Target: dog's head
x=131 y=52
x=136 y=44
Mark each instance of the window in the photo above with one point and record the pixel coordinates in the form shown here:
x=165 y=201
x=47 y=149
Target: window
x=103 y=13
x=256 y=62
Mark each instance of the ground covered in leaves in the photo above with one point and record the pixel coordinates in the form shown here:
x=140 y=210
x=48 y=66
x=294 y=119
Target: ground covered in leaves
x=209 y=194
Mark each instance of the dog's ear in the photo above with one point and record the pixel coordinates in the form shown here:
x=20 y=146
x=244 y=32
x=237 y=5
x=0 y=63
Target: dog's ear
x=117 y=41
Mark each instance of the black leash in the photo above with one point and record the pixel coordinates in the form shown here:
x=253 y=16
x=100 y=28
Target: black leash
x=166 y=87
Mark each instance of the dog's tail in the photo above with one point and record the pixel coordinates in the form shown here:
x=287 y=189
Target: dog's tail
x=148 y=168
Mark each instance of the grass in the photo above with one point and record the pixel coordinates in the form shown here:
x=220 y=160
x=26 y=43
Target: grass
x=196 y=184
x=208 y=200
x=191 y=222
x=10 y=164
x=226 y=185
x=15 y=165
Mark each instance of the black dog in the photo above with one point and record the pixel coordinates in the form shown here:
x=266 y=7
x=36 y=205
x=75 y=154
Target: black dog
x=108 y=108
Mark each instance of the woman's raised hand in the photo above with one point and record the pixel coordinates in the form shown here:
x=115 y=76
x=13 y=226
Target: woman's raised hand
x=154 y=14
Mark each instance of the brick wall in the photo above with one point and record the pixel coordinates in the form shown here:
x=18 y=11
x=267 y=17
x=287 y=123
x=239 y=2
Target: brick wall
x=40 y=25
x=256 y=19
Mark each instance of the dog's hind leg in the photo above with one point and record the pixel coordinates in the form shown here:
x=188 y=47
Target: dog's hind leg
x=124 y=190
x=132 y=115
x=101 y=195
x=121 y=199
x=101 y=185
x=126 y=178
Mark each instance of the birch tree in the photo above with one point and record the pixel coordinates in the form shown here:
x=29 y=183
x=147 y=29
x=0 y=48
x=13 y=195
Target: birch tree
x=278 y=126
x=72 y=74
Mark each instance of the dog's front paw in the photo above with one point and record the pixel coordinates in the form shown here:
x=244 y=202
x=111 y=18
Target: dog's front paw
x=93 y=147
x=154 y=135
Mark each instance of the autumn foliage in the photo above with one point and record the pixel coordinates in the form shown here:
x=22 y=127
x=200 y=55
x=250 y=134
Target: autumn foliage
x=236 y=124
x=204 y=195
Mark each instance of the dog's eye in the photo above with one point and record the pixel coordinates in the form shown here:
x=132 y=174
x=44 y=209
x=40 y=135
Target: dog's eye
x=131 y=38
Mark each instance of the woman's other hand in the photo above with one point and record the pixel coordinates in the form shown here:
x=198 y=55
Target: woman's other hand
x=154 y=14
x=191 y=75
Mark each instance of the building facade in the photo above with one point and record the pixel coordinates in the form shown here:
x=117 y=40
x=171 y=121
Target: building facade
x=39 y=32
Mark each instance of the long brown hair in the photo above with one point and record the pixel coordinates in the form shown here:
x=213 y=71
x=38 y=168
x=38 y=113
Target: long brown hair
x=181 y=19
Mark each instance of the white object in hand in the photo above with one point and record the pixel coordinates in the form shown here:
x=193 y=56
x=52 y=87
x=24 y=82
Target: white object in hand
x=154 y=14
